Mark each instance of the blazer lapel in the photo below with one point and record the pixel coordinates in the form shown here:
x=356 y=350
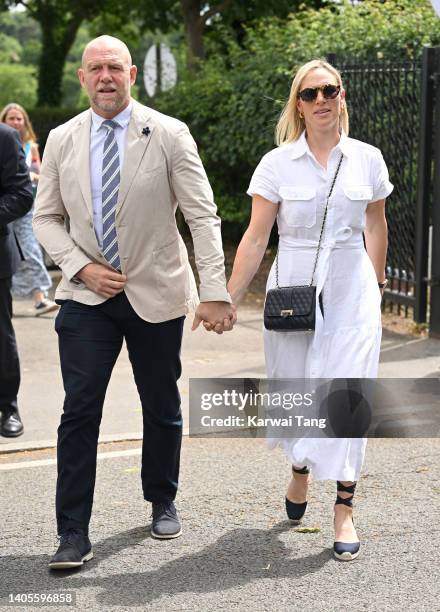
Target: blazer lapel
x=137 y=144
x=81 y=147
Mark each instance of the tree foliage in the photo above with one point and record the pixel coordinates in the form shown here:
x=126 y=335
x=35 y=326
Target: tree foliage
x=18 y=84
x=10 y=49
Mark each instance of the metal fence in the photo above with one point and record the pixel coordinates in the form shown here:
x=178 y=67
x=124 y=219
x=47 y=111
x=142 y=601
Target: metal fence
x=384 y=100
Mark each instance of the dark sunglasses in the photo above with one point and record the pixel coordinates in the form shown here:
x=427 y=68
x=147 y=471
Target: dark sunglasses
x=309 y=94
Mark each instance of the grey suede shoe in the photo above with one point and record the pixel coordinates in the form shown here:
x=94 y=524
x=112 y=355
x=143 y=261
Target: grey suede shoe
x=74 y=549
x=166 y=524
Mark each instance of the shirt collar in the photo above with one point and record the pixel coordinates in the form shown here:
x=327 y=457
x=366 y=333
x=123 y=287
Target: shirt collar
x=344 y=145
x=300 y=147
x=122 y=119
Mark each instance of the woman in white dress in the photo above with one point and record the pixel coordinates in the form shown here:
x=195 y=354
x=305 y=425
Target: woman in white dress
x=291 y=184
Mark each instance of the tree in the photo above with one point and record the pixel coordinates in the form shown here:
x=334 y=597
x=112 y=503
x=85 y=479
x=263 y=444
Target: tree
x=195 y=20
x=59 y=21
x=197 y=16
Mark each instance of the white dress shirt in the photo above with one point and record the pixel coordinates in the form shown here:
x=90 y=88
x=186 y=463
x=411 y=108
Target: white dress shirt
x=97 y=137
x=292 y=177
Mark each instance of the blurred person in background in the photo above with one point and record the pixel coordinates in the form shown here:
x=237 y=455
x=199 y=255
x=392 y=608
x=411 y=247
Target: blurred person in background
x=31 y=278
x=15 y=201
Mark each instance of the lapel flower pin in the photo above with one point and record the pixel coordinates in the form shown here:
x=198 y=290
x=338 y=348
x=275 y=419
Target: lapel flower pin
x=146 y=131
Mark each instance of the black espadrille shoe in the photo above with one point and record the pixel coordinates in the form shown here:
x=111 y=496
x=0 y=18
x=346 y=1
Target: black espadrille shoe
x=346 y=551
x=296 y=511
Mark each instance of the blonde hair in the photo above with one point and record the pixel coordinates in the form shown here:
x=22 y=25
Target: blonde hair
x=290 y=125
x=28 y=132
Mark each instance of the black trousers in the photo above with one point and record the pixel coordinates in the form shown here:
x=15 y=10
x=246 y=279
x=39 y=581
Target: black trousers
x=90 y=339
x=9 y=363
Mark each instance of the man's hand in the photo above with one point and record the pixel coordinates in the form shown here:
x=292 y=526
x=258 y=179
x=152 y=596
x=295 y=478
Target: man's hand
x=217 y=316
x=102 y=280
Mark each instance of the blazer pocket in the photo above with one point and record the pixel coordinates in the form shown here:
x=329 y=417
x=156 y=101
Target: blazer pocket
x=170 y=274
x=298 y=205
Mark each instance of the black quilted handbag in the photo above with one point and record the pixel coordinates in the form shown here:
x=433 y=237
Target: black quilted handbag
x=293 y=308
x=290 y=308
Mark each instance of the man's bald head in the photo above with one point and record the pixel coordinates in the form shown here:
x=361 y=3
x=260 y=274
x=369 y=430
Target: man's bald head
x=107 y=74
x=106 y=43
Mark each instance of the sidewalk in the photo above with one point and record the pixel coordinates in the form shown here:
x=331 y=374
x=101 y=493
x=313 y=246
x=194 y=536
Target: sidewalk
x=234 y=354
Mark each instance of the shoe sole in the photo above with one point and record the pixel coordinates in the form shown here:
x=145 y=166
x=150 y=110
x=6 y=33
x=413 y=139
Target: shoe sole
x=12 y=435
x=71 y=564
x=158 y=536
x=46 y=310
x=347 y=556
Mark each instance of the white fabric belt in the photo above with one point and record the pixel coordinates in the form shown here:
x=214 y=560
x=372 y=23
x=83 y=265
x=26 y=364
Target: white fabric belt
x=343 y=239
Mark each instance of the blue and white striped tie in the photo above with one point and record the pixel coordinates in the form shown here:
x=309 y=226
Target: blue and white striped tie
x=110 y=190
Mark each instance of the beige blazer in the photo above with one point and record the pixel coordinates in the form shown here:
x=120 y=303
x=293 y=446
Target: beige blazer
x=161 y=171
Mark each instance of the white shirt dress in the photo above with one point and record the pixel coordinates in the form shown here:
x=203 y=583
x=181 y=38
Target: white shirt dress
x=346 y=341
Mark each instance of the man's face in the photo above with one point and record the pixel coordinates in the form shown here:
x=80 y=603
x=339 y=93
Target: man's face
x=107 y=76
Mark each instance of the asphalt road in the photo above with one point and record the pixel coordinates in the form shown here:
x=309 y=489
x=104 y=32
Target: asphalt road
x=237 y=551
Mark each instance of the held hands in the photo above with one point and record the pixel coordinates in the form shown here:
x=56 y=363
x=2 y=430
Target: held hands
x=102 y=280
x=216 y=316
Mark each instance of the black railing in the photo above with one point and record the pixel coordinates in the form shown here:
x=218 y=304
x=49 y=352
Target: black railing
x=385 y=101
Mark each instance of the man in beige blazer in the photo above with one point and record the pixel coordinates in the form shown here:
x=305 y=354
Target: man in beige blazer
x=110 y=183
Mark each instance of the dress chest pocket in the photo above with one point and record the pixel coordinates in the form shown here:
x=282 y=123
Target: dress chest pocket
x=298 y=205
x=357 y=198
x=359 y=192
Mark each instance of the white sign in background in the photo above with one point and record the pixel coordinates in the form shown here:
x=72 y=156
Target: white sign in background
x=436 y=6
x=168 y=73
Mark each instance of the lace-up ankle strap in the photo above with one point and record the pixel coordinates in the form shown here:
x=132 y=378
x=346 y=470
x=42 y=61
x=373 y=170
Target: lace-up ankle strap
x=303 y=470
x=347 y=501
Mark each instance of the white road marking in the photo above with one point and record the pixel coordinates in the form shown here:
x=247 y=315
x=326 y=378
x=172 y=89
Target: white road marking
x=396 y=346
x=21 y=465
